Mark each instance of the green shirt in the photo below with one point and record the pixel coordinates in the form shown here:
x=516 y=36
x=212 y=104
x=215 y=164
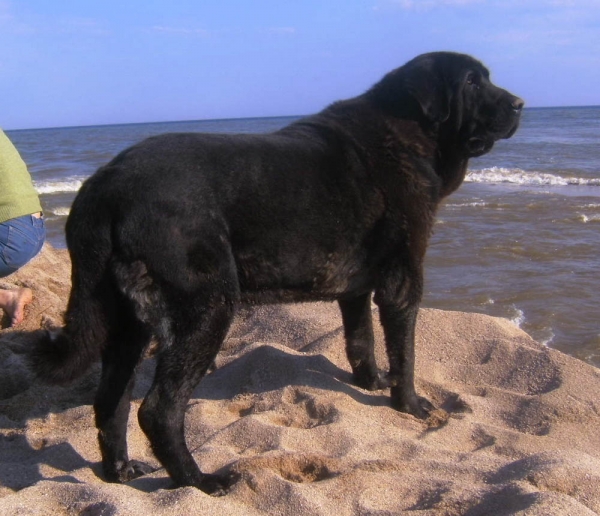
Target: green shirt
x=18 y=197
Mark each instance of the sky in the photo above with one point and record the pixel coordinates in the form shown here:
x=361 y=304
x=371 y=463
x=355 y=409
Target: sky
x=99 y=62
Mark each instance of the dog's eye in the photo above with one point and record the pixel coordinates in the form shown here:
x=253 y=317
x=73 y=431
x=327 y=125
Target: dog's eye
x=473 y=80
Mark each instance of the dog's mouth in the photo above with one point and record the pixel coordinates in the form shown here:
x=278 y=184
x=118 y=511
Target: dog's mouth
x=478 y=146
x=512 y=131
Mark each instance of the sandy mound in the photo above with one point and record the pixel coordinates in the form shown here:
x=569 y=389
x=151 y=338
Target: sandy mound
x=522 y=437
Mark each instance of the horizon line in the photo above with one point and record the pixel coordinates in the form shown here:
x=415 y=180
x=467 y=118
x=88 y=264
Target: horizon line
x=232 y=118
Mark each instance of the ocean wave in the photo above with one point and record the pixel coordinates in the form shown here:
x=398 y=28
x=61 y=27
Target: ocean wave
x=51 y=187
x=474 y=204
x=548 y=338
x=518 y=317
x=514 y=176
x=590 y=218
x=61 y=211
x=517 y=176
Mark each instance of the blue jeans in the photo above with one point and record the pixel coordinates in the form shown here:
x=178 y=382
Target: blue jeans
x=20 y=240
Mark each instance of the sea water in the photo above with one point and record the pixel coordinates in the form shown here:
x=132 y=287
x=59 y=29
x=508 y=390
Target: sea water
x=520 y=239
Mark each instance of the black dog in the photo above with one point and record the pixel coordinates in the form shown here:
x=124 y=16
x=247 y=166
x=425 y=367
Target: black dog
x=169 y=237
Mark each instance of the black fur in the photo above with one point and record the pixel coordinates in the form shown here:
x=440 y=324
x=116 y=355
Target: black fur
x=174 y=233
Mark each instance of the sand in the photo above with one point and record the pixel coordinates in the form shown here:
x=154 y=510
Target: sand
x=518 y=433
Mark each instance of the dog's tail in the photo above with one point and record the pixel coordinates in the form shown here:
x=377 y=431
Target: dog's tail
x=64 y=354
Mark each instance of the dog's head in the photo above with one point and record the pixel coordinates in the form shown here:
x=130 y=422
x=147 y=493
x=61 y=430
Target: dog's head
x=454 y=92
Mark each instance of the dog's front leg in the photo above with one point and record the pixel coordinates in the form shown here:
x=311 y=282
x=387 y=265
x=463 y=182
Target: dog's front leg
x=398 y=309
x=358 y=331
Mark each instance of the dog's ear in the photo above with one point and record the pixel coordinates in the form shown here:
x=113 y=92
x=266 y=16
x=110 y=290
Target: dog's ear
x=430 y=91
x=415 y=86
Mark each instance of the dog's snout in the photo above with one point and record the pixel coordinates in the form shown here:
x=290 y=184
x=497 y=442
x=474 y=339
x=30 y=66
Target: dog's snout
x=517 y=104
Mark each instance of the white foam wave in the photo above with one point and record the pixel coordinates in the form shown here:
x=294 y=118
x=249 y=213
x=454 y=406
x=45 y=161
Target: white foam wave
x=61 y=211
x=546 y=341
x=517 y=176
x=589 y=218
x=50 y=187
x=514 y=176
x=518 y=318
x=474 y=204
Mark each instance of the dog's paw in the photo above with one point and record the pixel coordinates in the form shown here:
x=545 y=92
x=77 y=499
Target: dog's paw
x=373 y=381
x=49 y=324
x=126 y=471
x=218 y=485
x=412 y=404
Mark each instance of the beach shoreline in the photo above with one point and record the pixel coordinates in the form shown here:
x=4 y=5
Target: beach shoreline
x=521 y=435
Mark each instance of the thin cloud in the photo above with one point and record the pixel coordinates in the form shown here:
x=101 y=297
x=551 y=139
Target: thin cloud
x=180 y=30
x=281 y=31
x=87 y=26
x=5 y=12
x=66 y=25
x=510 y=36
x=555 y=5
x=576 y=3
x=9 y=23
x=426 y=5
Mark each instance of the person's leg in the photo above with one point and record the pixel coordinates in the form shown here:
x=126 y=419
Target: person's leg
x=20 y=240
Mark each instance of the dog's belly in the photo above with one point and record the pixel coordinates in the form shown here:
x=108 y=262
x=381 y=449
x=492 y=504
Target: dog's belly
x=304 y=280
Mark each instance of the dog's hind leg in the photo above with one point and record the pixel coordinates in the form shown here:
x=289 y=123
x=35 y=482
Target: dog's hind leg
x=358 y=331
x=126 y=341
x=199 y=323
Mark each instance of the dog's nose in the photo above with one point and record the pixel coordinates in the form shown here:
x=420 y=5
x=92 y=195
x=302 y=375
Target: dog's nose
x=517 y=104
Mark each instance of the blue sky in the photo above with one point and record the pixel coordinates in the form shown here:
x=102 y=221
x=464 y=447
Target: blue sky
x=100 y=62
